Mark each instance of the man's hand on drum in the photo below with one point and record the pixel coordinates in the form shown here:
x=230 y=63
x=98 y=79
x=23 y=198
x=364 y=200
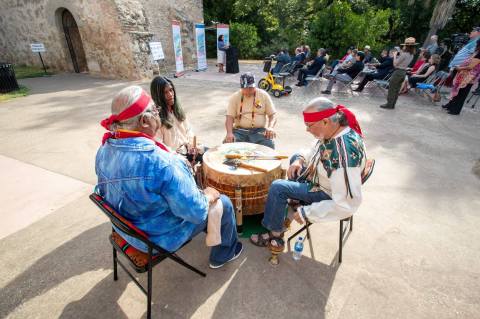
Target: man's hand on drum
x=270 y=133
x=295 y=169
x=230 y=138
x=212 y=195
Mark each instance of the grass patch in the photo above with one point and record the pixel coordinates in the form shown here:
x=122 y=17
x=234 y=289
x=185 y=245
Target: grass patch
x=28 y=71
x=23 y=91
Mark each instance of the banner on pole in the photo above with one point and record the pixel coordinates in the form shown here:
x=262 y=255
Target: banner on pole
x=177 y=47
x=201 y=50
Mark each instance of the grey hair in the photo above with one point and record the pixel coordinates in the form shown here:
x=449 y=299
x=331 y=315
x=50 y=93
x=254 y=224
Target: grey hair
x=322 y=103
x=124 y=99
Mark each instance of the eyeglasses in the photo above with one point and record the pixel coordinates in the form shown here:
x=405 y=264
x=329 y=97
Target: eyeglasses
x=310 y=125
x=153 y=110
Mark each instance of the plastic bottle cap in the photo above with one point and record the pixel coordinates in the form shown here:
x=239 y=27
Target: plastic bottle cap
x=300 y=238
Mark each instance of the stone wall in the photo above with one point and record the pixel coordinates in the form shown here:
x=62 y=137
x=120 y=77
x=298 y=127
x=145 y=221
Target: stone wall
x=114 y=34
x=188 y=13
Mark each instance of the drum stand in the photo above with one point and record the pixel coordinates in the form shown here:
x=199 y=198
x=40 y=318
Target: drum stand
x=238 y=209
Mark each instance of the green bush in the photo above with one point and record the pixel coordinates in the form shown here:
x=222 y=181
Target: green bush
x=337 y=27
x=244 y=36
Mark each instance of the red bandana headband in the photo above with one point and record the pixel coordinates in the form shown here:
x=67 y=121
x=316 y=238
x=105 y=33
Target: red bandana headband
x=138 y=107
x=133 y=110
x=318 y=116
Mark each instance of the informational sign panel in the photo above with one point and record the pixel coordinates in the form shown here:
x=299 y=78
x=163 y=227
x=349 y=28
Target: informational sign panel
x=37 y=47
x=201 y=49
x=157 y=51
x=177 y=46
x=223 y=29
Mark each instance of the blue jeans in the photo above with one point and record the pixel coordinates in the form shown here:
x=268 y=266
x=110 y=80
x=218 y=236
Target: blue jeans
x=228 y=229
x=278 y=194
x=253 y=135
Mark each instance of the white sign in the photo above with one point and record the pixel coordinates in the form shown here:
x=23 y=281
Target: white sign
x=37 y=47
x=157 y=51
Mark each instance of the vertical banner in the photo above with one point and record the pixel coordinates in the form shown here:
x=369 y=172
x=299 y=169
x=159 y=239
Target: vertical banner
x=177 y=47
x=201 y=50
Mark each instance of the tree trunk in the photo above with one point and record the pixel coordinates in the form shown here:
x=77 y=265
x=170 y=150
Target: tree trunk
x=442 y=12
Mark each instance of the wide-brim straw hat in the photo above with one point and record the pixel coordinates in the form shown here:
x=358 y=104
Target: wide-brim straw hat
x=410 y=41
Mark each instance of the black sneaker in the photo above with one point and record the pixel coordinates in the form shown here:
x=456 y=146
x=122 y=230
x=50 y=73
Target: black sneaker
x=326 y=92
x=238 y=252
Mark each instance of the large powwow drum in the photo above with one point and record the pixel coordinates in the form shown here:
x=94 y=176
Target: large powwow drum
x=247 y=188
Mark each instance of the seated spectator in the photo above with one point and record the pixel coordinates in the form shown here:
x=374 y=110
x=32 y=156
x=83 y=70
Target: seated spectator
x=312 y=68
x=299 y=59
x=347 y=75
x=368 y=54
x=349 y=60
x=306 y=49
x=349 y=52
x=422 y=74
x=422 y=59
x=152 y=187
x=282 y=58
x=433 y=47
x=382 y=69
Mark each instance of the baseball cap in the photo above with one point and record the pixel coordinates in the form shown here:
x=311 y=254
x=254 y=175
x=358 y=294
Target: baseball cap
x=247 y=80
x=367 y=47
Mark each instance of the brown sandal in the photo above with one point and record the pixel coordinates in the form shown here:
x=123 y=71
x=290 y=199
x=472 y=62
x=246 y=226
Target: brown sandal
x=261 y=241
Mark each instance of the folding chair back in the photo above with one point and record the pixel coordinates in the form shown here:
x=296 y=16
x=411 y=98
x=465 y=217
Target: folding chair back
x=140 y=261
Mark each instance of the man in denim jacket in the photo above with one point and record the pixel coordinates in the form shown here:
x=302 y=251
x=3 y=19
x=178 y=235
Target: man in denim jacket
x=153 y=188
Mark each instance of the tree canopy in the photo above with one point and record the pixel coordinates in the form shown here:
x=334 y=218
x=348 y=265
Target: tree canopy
x=262 y=27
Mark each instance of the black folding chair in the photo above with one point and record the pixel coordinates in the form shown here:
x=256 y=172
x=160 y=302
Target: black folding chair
x=365 y=176
x=141 y=262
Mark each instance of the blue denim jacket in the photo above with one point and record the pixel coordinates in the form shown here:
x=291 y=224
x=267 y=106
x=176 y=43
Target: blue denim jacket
x=151 y=188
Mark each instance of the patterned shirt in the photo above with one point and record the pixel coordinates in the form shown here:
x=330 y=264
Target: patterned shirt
x=151 y=188
x=464 y=53
x=335 y=167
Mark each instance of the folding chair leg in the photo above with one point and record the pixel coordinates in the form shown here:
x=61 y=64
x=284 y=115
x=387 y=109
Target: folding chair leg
x=340 y=242
x=149 y=284
x=115 y=274
x=351 y=223
x=298 y=232
x=186 y=265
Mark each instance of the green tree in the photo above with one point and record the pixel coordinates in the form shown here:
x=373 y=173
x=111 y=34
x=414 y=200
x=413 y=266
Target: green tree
x=244 y=36
x=337 y=27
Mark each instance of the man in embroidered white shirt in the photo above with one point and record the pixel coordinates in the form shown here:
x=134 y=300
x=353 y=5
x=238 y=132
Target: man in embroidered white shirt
x=327 y=178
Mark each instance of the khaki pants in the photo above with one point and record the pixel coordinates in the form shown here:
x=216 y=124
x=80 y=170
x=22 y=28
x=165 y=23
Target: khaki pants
x=394 y=86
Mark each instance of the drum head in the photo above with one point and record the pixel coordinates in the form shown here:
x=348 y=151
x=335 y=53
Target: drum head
x=215 y=157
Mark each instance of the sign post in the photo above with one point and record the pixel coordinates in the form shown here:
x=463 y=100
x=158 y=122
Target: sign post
x=157 y=54
x=39 y=48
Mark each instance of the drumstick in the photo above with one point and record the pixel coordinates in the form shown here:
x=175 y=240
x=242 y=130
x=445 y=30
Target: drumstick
x=194 y=141
x=256 y=157
x=253 y=167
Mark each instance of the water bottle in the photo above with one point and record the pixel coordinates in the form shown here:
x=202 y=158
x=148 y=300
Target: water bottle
x=297 y=249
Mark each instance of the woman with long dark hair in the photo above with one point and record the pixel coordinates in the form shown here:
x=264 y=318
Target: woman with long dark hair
x=176 y=131
x=467 y=74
